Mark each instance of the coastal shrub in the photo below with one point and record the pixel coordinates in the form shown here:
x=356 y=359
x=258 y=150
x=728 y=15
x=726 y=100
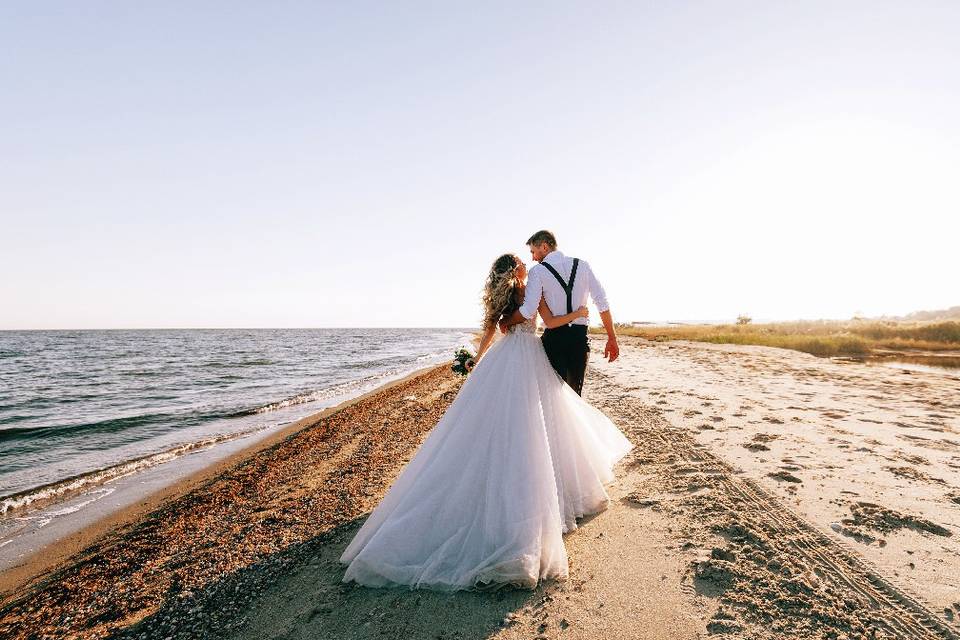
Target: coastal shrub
x=820 y=338
x=937 y=332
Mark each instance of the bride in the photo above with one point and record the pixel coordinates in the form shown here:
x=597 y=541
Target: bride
x=515 y=460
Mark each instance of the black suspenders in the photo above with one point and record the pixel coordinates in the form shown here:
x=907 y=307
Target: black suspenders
x=568 y=288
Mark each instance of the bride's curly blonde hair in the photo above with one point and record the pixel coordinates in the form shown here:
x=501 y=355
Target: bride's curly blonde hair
x=501 y=291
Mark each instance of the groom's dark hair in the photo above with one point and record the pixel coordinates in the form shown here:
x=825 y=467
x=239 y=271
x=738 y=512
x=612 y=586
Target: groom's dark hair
x=543 y=236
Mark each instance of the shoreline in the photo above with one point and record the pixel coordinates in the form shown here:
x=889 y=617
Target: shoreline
x=48 y=557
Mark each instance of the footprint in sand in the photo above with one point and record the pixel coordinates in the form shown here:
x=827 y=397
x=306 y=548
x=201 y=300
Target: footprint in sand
x=640 y=500
x=910 y=473
x=942 y=444
x=912 y=458
x=879 y=518
x=786 y=476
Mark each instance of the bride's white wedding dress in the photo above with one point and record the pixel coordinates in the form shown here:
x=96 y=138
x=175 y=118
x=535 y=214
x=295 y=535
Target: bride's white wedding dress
x=515 y=460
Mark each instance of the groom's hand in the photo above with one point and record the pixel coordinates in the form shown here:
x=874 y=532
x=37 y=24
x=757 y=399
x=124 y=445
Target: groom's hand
x=503 y=325
x=612 y=350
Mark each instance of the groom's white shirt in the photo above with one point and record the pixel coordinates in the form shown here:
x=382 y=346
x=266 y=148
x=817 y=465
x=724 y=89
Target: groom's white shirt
x=541 y=283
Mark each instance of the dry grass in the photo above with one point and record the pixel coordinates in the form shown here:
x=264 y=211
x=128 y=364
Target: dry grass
x=818 y=337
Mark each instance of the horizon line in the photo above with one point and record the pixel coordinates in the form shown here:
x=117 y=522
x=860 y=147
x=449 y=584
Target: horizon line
x=473 y=328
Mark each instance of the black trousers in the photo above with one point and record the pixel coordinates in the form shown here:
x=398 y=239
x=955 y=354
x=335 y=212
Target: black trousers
x=567 y=349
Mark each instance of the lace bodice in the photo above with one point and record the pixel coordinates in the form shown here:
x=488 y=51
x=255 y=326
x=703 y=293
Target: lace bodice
x=527 y=326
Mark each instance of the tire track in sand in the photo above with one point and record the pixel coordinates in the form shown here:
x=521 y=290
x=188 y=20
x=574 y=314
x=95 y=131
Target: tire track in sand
x=775 y=574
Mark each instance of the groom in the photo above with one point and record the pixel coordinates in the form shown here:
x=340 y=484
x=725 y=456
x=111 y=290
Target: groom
x=564 y=283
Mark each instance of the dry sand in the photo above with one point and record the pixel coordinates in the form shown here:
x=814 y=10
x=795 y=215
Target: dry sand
x=699 y=540
x=869 y=455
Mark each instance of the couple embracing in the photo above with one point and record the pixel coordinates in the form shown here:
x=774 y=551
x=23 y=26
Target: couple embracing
x=518 y=456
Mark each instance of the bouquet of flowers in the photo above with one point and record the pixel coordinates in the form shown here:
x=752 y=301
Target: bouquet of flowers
x=463 y=362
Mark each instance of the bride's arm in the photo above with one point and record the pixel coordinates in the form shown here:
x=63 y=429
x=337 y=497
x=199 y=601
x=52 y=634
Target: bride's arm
x=485 y=342
x=552 y=321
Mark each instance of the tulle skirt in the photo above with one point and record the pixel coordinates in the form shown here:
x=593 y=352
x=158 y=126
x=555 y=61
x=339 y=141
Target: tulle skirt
x=515 y=460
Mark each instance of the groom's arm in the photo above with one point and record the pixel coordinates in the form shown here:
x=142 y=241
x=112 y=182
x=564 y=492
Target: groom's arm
x=531 y=300
x=612 y=349
x=599 y=296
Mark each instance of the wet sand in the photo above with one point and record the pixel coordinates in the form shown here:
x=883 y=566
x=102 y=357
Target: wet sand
x=700 y=540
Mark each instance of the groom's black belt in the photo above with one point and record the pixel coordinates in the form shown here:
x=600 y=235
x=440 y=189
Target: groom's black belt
x=572 y=329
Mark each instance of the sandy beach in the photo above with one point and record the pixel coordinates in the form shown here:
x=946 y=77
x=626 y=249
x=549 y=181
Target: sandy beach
x=771 y=494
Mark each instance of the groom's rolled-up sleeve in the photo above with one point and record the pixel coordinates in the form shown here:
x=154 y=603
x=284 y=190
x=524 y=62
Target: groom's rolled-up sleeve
x=598 y=294
x=531 y=298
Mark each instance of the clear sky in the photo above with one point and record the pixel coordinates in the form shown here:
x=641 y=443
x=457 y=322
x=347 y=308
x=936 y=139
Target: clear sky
x=218 y=164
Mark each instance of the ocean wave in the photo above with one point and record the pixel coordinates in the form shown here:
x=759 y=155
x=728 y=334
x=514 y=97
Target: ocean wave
x=434 y=356
x=216 y=364
x=61 y=489
x=14 y=434
x=70 y=410
x=11 y=420
x=300 y=398
x=101 y=426
x=326 y=393
x=356 y=365
x=93 y=496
